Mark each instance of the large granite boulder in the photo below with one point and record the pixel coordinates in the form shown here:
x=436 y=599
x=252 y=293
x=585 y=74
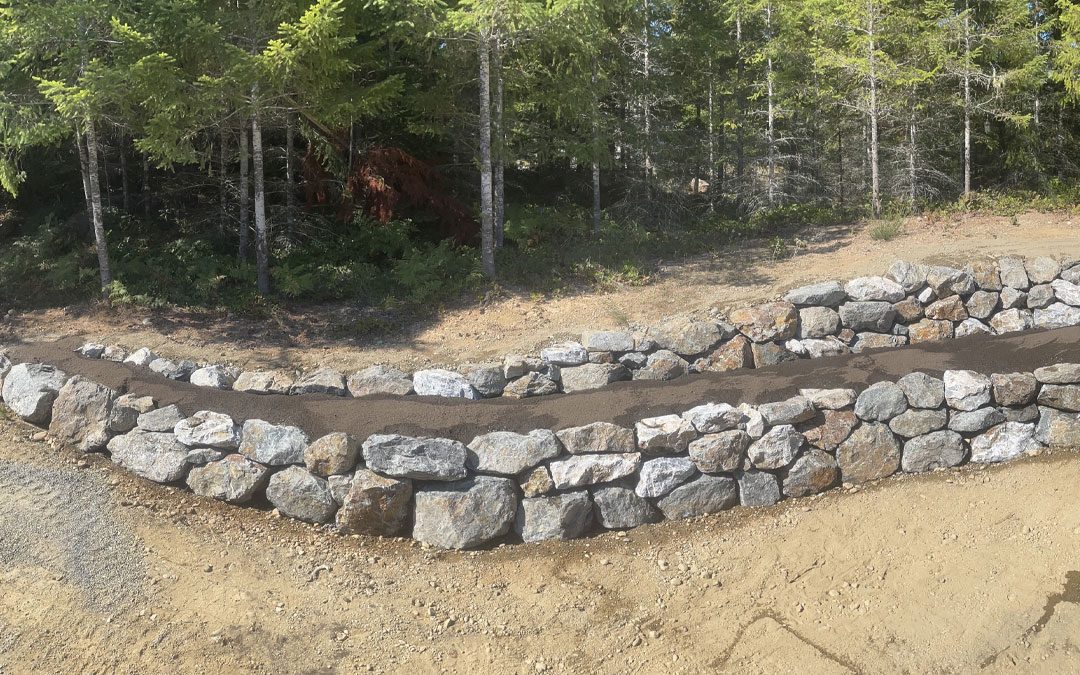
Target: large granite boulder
x=966 y=389
x=584 y=470
x=597 y=437
x=687 y=336
x=657 y=477
x=322 y=381
x=720 y=452
x=380 y=380
x=333 y=454
x=273 y=444
x=667 y=433
x=441 y=382
x=1004 y=442
x=813 y=472
x=767 y=323
x=824 y=294
x=563 y=516
x=82 y=414
x=213 y=377
x=703 y=495
x=592 y=376
x=208 y=429
x=818 y=322
x=864 y=289
x=619 y=508
x=30 y=389
x=1058 y=429
x=264 y=382
x=565 y=354
x=777 y=448
x=869 y=453
x=876 y=316
x=508 y=453
x=1013 y=389
x=234 y=479
x=298 y=494
x=922 y=390
x=374 y=505
x=464 y=514
x=880 y=402
x=154 y=456
x=419 y=458
x=934 y=450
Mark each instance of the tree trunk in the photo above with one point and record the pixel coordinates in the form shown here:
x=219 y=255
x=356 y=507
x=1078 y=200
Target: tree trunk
x=596 y=214
x=223 y=179
x=97 y=216
x=290 y=177
x=84 y=170
x=771 y=123
x=243 y=250
x=487 y=214
x=262 y=239
x=498 y=187
x=874 y=113
x=712 y=144
x=913 y=181
x=124 y=175
x=967 y=102
x=645 y=106
x=740 y=95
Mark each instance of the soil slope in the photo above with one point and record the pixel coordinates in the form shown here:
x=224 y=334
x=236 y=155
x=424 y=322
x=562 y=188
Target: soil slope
x=965 y=571
x=305 y=337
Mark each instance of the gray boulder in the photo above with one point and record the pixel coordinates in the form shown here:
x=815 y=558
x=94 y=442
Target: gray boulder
x=774 y=321
x=880 y=402
x=720 y=452
x=583 y=470
x=235 y=479
x=272 y=444
x=161 y=420
x=592 y=376
x=487 y=379
x=374 y=505
x=154 y=456
x=90 y=350
x=813 y=472
x=1026 y=414
x=180 y=371
x=922 y=390
x=1013 y=299
x=508 y=453
x=1057 y=315
x=1012 y=321
x=687 y=336
x=565 y=354
x=869 y=453
x=966 y=389
x=141 y=357
x=1004 y=442
x=82 y=415
x=323 y=381
x=619 y=508
x=770 y=354
x=464 y=514
x=30 y=389
x=419 y=458
x=298 y=494
x=910 y=276
x=658 y=477
x=946 y=281
x=986 y=275
x=935 y=450
x=864 y=289
x=818 y=322
x=213 y=377
x=441 y=382
x=829 y=399
x=1059 y=373
x=597 y=437
x=609 y=341
x=713 y=417
x=340 y=484
x=868 y=316
x=264 y=382
x=203 y=456
x=1042 y=270
x=865 y=341
x=1066 y=292
x=661 y=366
x=777 y=448
x=701 y=496
x=826 y=293
x=381 y=380
x=972 y=327
x=532 y=384
x=333 y=454
x=758 y=488
x=815 y=348
x=1061 y=396
x=790 y=411
x=1058 y=429
x=1041 y=296
x=114 y=353
x=563 y=516
x=917 y=422
x=981 y=304
x=974 y=421
x=1014 y=273
x=667 y=433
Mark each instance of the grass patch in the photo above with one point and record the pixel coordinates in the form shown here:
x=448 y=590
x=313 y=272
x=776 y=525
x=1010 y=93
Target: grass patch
x=886 y=230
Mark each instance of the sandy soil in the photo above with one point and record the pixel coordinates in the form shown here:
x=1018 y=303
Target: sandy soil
x=964 y=571
x=307 y=337
x=622 y=403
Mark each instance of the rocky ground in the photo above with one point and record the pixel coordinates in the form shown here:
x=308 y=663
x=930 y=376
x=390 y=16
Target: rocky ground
x=961 y=571
x=517 y=322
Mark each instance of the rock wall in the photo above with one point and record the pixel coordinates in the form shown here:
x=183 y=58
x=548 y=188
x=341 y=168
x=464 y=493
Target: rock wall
x=911 y=303
x=561 y=484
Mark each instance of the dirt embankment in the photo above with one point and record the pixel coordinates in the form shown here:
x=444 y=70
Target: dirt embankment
x=623 y=403
x=304 y=337
x=961 y=571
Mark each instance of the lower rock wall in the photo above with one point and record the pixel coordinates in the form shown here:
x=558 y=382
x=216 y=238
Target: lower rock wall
x=561 y=484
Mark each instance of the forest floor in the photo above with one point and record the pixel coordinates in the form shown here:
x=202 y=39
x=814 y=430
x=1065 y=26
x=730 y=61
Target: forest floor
x=969 y=570
x=307 y=336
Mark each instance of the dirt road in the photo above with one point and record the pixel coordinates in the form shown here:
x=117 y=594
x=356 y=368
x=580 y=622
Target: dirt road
x=304 y=337
x=964 y=571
